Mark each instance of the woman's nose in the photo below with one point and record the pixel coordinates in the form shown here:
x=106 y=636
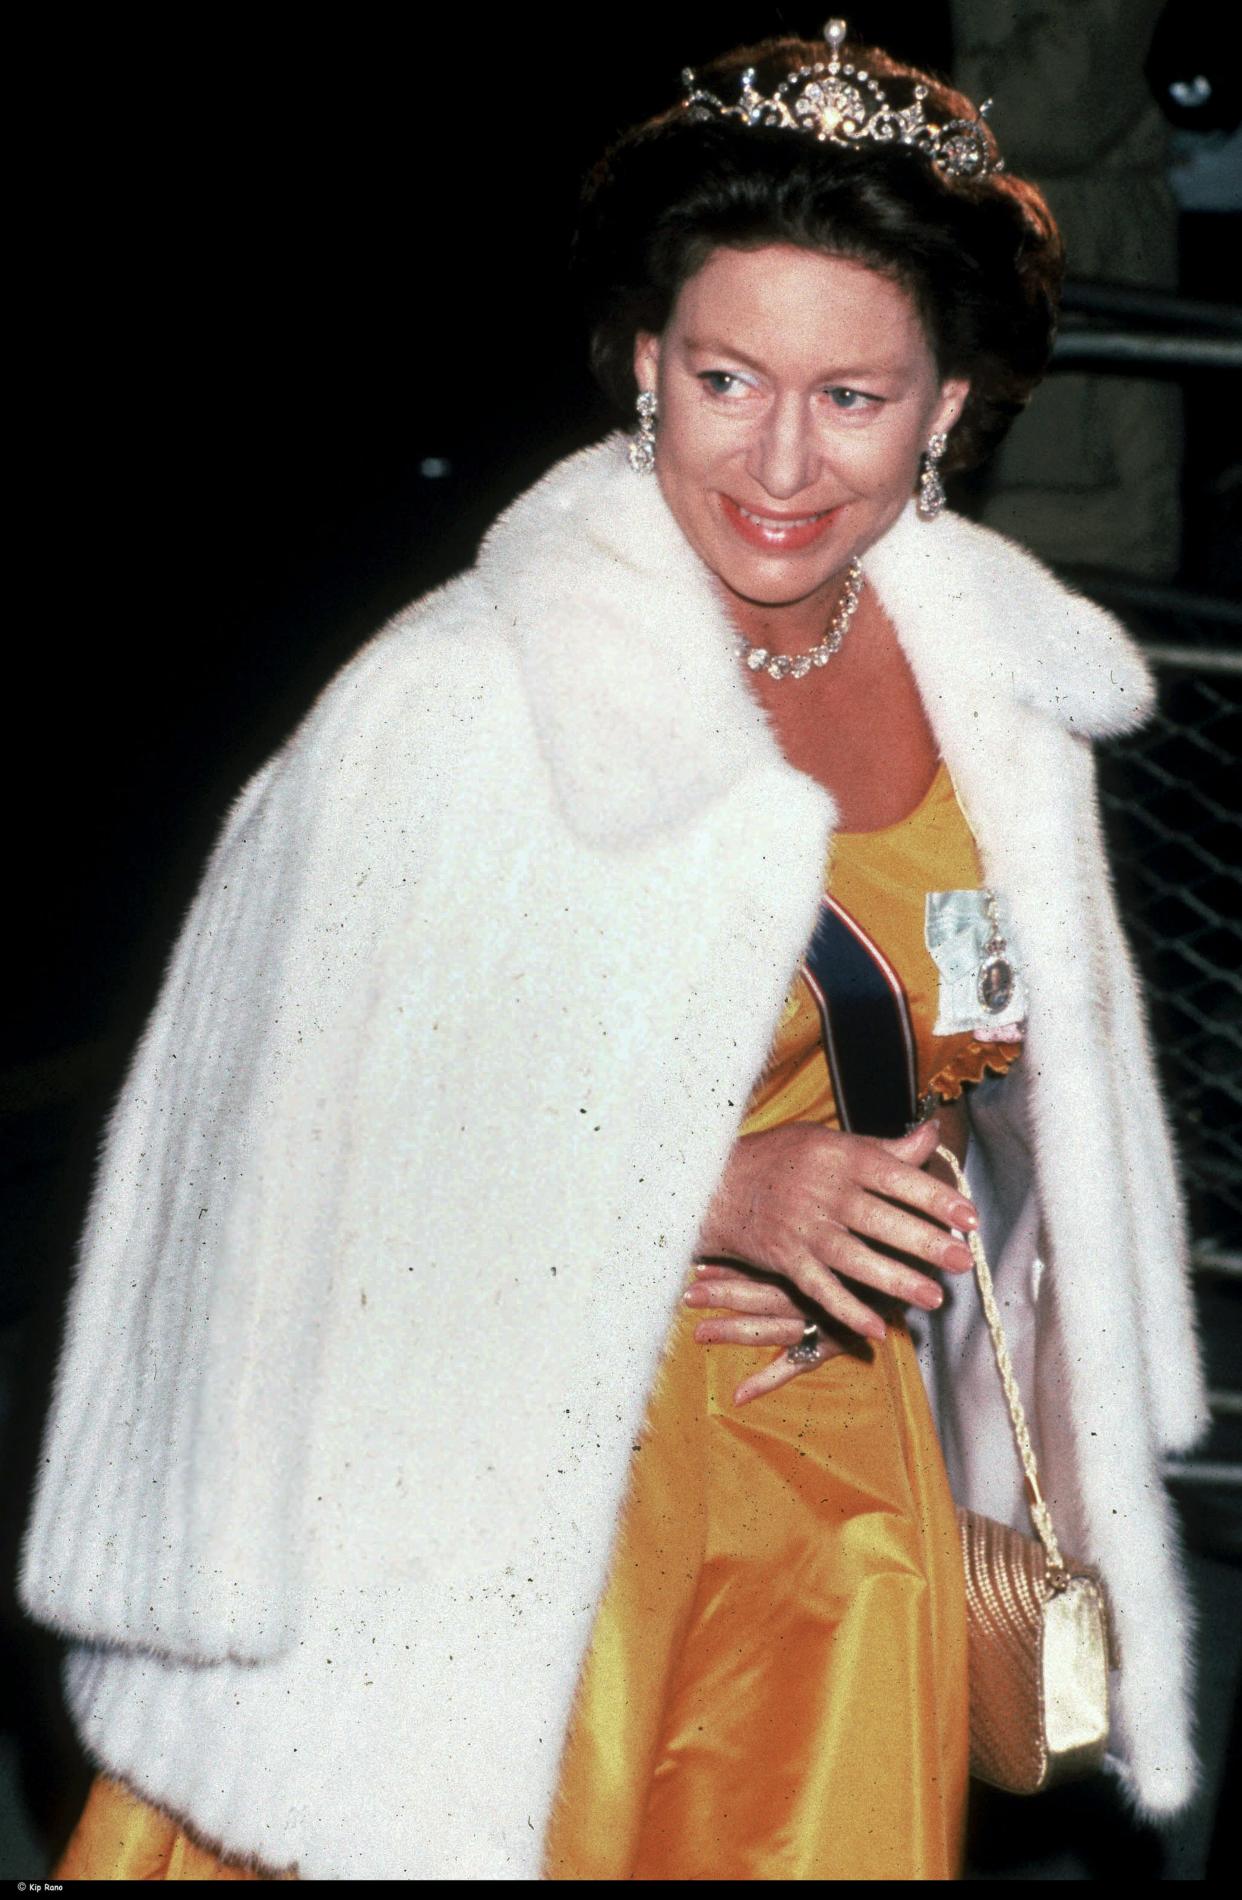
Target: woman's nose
x=785 y=456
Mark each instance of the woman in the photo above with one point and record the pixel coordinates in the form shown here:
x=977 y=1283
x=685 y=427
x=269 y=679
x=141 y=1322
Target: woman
x=481 y=1032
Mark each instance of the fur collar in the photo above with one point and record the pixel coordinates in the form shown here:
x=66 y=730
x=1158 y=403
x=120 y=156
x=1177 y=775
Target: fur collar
x=625 y=650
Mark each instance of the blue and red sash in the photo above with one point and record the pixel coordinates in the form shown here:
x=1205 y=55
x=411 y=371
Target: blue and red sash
x=865 y=1023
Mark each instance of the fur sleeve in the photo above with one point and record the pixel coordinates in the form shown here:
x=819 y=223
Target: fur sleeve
x=169 y=1480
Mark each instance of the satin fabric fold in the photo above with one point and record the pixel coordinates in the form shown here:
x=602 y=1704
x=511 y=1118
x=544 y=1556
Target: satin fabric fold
x=776 y=1688
x=121 y=1837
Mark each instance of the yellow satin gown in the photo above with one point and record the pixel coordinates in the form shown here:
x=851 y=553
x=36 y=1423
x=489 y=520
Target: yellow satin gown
x=776 y=1684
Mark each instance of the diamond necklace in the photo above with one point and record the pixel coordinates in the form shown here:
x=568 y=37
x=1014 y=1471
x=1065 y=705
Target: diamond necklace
x=779 y=666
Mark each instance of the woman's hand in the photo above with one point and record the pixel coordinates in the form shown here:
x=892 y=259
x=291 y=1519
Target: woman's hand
x=772 y=1318
x=802 y=1205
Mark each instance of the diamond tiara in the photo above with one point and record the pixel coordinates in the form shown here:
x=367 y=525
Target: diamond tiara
x=838 y=102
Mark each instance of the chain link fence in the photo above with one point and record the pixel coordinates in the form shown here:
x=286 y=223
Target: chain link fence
x=1172 y=798
x=1174 y=813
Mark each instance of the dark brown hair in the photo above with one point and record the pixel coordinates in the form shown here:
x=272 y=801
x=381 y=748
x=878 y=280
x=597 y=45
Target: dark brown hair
x=981 y=257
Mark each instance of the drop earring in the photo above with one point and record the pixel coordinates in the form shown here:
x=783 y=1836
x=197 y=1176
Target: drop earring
x=642 y=448
x=931 y=489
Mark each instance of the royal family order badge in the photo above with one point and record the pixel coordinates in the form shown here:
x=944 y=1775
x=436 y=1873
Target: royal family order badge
x=981 y=989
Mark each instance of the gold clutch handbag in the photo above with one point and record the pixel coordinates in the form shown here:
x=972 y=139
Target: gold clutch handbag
x=1039 y=1642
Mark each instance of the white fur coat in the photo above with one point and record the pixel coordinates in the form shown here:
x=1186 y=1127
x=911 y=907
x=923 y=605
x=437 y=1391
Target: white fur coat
x=406 y=1177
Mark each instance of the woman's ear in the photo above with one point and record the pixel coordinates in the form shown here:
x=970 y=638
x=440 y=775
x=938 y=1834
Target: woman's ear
x=646 y=359
x=953 y=396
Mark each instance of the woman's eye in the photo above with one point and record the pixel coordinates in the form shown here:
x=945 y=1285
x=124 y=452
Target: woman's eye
x=850 y=400
x=721 y=382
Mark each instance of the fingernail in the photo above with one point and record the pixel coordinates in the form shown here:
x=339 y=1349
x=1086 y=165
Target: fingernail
x=959 y=1259
x=965 y=1217
x=931 y=1298
x=691 y=1297
x=702 y=1267
x=878 y=1331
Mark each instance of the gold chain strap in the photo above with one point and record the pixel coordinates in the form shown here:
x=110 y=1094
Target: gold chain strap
x=1039 y=1510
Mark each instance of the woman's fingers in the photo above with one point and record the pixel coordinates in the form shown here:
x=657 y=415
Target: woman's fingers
x=816 y=1208
x=872 y=1218
x=780 y=1371
x=752 y=1312
x=842 y=1252
x=743 y=1294
x=886 y=1167
x=745 y=1331
x=822 y=1288
x=852 y=1257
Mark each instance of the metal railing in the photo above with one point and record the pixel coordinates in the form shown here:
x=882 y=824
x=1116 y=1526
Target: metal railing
x=1131 y=330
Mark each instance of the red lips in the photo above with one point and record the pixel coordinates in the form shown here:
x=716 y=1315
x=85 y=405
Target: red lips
x=770 y=538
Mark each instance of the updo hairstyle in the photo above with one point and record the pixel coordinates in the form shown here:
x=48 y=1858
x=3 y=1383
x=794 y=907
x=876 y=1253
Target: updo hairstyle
x=981 y=257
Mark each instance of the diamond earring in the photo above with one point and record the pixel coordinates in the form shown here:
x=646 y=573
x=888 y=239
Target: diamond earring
x=642 y=448
x=931 y=489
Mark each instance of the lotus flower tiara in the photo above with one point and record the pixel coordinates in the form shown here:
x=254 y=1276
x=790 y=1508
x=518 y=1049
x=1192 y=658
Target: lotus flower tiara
x=839 y=102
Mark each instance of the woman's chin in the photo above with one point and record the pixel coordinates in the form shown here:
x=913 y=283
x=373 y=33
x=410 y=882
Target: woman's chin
x=779 y=584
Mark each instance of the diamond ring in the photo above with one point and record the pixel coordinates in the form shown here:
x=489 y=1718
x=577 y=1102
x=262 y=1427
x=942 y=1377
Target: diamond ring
x=808 y=1348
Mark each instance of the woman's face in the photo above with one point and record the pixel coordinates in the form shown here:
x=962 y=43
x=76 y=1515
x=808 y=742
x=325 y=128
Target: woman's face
x=796 y=394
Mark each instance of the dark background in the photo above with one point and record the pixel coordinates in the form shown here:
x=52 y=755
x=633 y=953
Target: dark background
x=276 y=271
x=290 y=270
